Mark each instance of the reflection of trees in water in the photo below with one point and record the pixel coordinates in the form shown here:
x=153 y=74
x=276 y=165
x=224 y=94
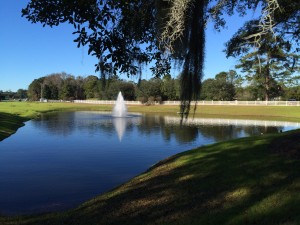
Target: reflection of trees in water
x=151 y=124
x=158 y=125
x=255 y=130
x=65 y=123
x=183 y=134
x=96 y=126
x=227 y=132
x=189 y=133
x=220 y=132
x=56 y=123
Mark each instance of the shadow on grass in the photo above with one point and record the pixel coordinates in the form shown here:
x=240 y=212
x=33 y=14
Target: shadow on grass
x=236 y=182
x=9 y=124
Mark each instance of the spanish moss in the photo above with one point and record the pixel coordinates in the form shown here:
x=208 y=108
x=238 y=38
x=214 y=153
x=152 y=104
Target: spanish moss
x=194 y=60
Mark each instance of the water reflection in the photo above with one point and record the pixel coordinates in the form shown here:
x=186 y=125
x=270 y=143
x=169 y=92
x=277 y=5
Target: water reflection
x=225 y=129
x=181 y=134
x=57 y=123
x=120 y=124
x=123 y=124
x=64 y=124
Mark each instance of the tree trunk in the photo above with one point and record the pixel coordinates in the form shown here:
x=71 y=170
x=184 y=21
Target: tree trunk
x=267 y=87
x=267 y=79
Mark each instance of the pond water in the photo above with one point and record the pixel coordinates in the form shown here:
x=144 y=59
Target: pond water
x=64 y=159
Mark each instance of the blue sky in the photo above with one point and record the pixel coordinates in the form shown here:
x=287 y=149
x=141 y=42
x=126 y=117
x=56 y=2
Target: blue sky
x=29 y=51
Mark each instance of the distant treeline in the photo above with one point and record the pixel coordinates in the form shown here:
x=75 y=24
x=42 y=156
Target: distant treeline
x=225 y=86
x=8 y=95
x=67 y=87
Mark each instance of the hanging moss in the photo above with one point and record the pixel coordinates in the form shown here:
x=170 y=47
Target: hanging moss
x=188 y=50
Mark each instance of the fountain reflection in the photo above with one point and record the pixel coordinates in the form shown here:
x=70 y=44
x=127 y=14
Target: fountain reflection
x=120 y=124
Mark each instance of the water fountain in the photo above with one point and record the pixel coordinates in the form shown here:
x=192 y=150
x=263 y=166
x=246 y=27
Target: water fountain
x=120 y=114
x=120 y=109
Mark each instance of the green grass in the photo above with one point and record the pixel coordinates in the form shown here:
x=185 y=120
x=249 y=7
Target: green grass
x=30 y=110
x=9 y=123
x=288 y=113
x=271 y=112
x=245 y=181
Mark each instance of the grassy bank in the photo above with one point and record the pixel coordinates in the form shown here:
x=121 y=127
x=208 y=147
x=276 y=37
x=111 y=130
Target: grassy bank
x=287 y=113
x=252 y=180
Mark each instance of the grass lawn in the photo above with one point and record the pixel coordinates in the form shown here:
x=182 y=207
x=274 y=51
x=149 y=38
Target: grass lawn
x=286 y=113
x=252 y=180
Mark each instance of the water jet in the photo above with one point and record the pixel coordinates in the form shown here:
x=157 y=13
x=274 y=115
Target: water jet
x=120 y=108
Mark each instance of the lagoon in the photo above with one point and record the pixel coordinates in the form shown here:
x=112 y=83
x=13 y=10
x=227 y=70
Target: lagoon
x=63 y=159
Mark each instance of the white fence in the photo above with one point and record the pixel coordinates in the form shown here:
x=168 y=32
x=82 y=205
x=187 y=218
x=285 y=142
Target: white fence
x=254 y=103
x=237 y=122
x=261 y=103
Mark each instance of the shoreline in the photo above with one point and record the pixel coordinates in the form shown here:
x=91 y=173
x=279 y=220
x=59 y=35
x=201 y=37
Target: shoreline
x=14 y=114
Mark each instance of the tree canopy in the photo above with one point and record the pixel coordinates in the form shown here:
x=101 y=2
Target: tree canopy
x=125 y=34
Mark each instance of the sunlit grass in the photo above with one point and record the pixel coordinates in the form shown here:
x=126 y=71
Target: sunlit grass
x=287 y=113
x=31 y=109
